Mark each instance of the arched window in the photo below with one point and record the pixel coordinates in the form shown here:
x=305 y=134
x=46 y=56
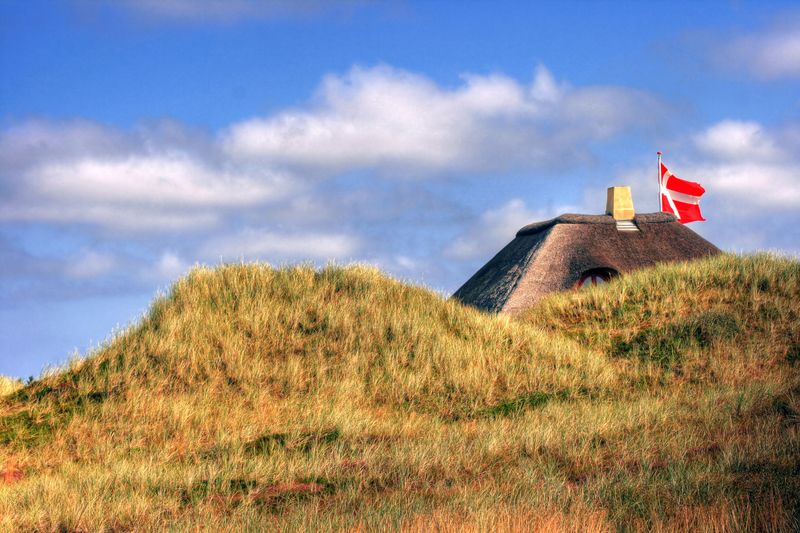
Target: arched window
x=596 y=276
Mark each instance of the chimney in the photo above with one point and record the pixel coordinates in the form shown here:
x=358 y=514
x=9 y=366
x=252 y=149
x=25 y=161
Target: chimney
x=620 y=203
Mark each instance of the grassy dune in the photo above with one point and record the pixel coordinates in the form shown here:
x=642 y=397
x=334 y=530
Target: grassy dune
x=259 y=398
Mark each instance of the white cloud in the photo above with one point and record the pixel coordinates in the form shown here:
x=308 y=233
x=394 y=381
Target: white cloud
x=752 y=167
x=160 y=181
x=737 y=140
x=195 y=9
x=90 y=264
x=495 y=228
x=770 y=54
x=756 y=188
x=405 y=262
x=273 y=246
x=403 y=123
x=164 y=177
x=25 y=143
x=82 y=172
x=170 y=266
x=216 y=11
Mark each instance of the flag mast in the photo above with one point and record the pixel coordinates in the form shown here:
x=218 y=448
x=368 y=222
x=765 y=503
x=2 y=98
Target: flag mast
x=659 y=182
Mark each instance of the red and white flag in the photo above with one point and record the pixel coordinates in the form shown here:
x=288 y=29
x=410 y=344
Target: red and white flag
x=680 y=197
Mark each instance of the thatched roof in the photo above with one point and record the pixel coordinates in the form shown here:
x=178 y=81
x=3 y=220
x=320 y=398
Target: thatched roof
x=552 y=256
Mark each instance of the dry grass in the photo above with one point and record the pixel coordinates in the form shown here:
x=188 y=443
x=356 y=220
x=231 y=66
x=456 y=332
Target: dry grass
x=255 y=398
x=9 y=385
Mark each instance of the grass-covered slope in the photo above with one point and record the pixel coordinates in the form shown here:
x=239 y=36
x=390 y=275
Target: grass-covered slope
x=251 y=397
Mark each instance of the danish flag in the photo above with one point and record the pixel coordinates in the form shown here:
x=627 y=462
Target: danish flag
x=680 y=197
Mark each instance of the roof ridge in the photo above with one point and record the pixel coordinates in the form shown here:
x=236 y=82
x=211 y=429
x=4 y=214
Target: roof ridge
x=575 y=218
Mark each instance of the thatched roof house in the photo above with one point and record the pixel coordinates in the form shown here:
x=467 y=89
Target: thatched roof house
x=575 y=250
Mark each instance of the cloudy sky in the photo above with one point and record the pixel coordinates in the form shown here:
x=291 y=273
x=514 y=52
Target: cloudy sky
x=141 y=137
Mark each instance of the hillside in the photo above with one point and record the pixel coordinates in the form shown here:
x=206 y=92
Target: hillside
x=259 y=398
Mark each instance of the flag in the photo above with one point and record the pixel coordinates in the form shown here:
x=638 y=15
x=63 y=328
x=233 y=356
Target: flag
x=680 y=197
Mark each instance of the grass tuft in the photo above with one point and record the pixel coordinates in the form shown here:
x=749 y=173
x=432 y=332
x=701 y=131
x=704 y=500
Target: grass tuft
x=9 y=385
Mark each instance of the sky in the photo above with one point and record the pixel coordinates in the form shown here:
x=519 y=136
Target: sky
x=139 y=138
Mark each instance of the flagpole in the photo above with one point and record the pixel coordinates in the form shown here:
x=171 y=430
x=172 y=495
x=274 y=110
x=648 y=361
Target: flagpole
x=659 y=182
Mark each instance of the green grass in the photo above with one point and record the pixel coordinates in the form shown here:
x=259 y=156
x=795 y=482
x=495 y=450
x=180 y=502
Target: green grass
x=259 y=398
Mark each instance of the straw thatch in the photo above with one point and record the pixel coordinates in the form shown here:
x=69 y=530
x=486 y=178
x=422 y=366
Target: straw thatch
x=554 y=255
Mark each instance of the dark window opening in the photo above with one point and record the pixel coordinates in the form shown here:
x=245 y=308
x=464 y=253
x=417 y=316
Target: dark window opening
x=595 y=277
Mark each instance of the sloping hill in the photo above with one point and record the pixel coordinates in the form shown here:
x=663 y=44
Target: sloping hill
x=251 y=397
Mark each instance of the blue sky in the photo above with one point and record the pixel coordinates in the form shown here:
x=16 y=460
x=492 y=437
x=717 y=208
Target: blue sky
x=138 y=138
